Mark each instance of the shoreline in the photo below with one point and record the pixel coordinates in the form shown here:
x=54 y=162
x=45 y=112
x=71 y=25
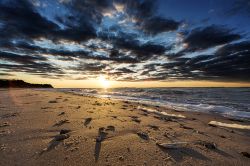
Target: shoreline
x=168 y=105
x=57 y=128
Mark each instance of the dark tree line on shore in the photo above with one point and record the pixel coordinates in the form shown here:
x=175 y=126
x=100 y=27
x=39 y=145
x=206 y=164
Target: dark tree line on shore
x=21 y=84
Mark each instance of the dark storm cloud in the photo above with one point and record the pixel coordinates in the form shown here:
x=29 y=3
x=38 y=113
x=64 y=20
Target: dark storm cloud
x=23 y=59
x=141 y=51
x=128 y=42
x=158 y=24
x=23 y=21
x=144 y=13
x=138 y=48
x=197 y=59
x=149 y=68
x=230 y=62
x=234 y=48
x=88 y=11
x=203 y=38
x=145 y=72
x=25 y=46
x=30 y=48
x=68 y=55
x=28 y=64
x=92 y=7
x=92 y=67
x=140 y=9
x=125 y=70
x=65 y=55
x=6 y=74
x=34 y=68
x=120 y=72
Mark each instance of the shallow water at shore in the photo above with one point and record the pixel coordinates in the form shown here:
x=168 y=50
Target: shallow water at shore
x=232 y=102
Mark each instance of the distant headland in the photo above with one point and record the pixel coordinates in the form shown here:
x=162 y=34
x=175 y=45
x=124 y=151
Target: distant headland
x=21 y=84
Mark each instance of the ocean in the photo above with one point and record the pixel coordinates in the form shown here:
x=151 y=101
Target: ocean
x=229 y=102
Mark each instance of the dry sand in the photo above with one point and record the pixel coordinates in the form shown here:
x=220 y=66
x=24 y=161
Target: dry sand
x=54 y=128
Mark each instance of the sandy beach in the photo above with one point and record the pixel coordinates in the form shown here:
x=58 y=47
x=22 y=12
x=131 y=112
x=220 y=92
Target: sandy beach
x=54 y=128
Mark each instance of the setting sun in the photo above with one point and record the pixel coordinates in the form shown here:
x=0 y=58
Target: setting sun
x=104 y=83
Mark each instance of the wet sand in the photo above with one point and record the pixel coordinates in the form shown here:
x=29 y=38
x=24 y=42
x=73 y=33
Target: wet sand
x=55 y=128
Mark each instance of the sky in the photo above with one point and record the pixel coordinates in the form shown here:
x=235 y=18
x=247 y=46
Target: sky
x=130 y=43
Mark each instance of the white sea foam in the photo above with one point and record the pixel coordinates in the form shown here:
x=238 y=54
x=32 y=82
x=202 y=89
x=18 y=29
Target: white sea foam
x=233 y=125
x=222 y=110
x=160 y=112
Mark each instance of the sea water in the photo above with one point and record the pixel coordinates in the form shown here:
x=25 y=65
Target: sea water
x=231 y=102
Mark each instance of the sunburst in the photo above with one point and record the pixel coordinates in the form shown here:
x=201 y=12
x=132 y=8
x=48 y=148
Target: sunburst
x=104 y=82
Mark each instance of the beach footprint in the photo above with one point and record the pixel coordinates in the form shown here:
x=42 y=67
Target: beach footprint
x=110 y=128
x=52 y=101
x=87 y=121
x=61 y=113
x=135 y=119
x=5 y=124
x=102 y=135
x=61 y=122
x=143 y=135
x=64 y=134
x=154 y=127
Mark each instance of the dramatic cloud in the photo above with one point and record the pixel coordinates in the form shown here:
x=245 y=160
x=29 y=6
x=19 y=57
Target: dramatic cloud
x=128 y=40
x=203 y=38
x=20 y=19
x=6 y=74
x=125 y=70
x=23 y=59
x=91 y=67
x=157 y=25
x=230 y=62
